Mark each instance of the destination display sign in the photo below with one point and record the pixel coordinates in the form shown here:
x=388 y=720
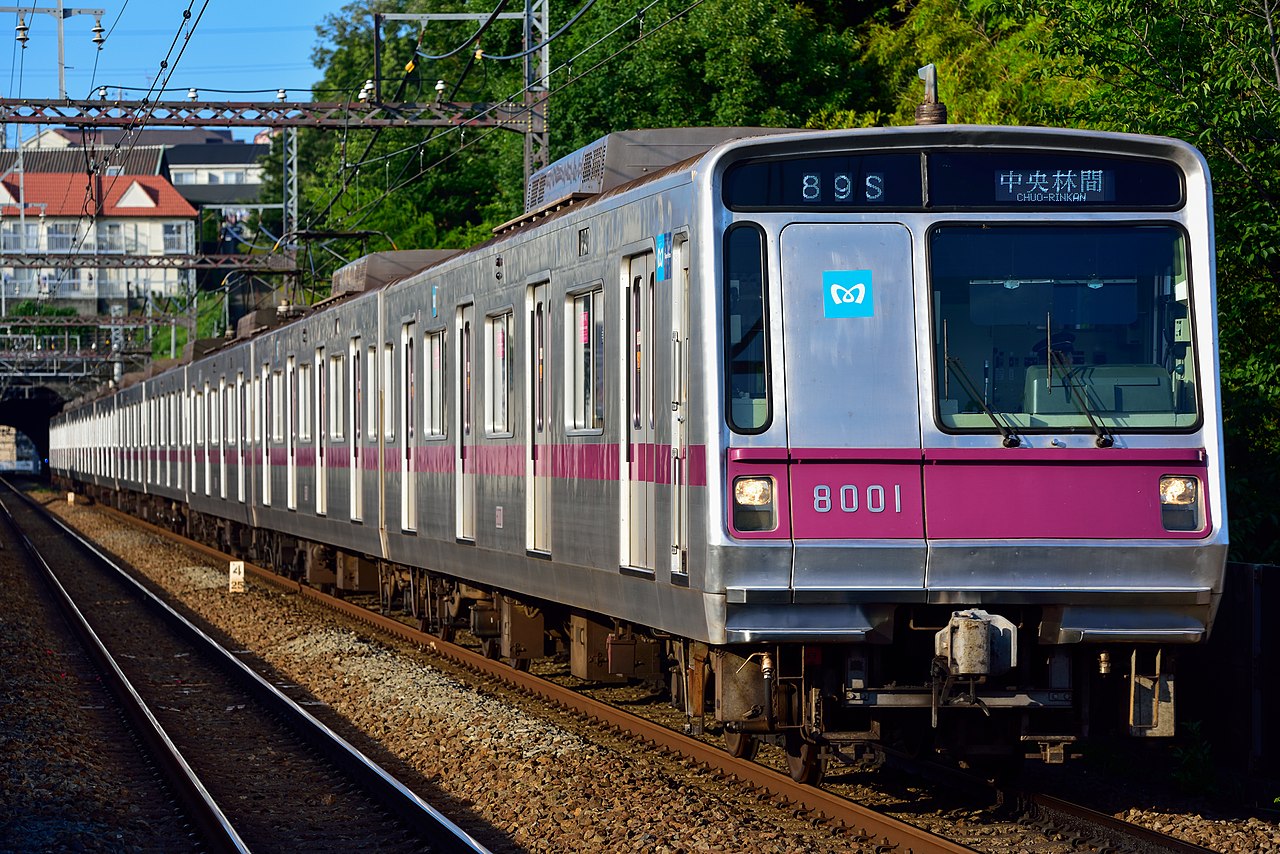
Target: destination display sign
x=1051 y=179
x=1013 y=180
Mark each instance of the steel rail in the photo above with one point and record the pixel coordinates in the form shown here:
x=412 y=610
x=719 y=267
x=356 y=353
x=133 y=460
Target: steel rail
x=1146 y=838
x=868 y=824
x=395 y=796
x=208 y=818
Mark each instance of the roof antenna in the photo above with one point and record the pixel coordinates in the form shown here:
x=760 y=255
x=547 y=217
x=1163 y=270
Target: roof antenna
x=932 y=111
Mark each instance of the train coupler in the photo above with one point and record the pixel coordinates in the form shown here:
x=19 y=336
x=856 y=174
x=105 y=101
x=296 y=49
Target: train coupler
x=972 y=646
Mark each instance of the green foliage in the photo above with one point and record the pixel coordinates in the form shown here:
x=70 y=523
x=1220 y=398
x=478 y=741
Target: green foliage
x=401 y=187
x=778 y=65
x=168 y=340
x=1193 y=769
x=989 y=72
x=724 y=63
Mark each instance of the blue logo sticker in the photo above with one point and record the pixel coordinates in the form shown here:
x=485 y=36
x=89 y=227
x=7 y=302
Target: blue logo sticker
x=847 y=293
x=663 y=257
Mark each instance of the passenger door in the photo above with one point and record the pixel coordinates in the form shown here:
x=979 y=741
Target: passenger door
x=680 y=411
x=852 y=408
x=538 y=488
x=290 y=437
x=408 y=428
x=464 y=464
x=639 y=516
x=355 y=459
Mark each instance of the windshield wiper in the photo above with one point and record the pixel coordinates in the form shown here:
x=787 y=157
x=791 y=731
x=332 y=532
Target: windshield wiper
x=1010 y=439
x=1059 y=361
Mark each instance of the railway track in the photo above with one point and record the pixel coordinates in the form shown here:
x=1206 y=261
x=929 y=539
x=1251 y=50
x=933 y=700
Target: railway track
x=1073 y=825
x=250 y=768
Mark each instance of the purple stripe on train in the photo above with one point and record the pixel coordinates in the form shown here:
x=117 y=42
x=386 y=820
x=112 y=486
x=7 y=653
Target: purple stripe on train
x=570 y=461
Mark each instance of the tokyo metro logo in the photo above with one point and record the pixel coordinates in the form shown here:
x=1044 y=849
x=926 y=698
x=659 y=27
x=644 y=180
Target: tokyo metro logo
x=847 y=293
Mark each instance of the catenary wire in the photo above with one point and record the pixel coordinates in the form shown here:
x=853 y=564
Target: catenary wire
x=549 y=39
x=362 y=212
x=484 y=134
x=493 y=16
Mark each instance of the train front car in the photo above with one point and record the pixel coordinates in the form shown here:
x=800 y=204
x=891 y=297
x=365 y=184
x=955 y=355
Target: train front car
x=972 y=473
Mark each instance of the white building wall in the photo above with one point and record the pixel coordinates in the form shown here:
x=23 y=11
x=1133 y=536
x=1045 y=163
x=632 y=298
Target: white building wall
x=105 y=236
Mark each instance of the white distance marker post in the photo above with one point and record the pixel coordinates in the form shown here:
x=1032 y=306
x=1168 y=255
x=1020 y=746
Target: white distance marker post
x=237 y=576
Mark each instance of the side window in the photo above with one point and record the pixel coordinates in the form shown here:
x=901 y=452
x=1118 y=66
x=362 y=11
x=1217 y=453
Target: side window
x=585 y=356
x=466 y=377
x=258 y=412
x=433 y=374
x=388 y=391
x=357 y=390
x=337 y=396
x=304 y=402
x=233 y=413
x=322 y=393
x=409 y=383
x=499 y=380
x=200 y=416
x=277 y=407
x=371 y=392
x=215 y=413
x=746 y=330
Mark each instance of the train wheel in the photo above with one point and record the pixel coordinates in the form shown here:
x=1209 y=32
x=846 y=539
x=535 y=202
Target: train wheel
x=805 y=761
x=743 y=745
x=491 y=648
x=440 y=626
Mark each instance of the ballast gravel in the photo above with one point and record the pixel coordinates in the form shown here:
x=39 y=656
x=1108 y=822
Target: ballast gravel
x=518 y=779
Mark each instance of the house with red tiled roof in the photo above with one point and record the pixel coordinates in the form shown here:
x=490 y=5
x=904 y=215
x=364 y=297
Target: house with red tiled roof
x=51 y=213
x=107 y=137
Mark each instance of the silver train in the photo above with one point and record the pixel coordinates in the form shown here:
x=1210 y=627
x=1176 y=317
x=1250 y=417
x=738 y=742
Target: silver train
x=903 y=436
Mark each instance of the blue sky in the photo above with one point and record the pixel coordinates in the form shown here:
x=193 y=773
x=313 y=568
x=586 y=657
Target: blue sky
x=236 y=45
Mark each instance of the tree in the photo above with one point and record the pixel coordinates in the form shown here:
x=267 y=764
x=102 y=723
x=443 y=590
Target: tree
x=719 y=63
x=988 y=68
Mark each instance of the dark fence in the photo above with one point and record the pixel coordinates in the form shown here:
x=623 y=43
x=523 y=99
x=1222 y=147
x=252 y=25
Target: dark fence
x=1231 y=685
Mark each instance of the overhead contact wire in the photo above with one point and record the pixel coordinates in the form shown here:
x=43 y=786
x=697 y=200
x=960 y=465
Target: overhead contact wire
x=362 y=212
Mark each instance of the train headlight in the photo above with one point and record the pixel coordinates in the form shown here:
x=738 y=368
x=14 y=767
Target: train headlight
x=753 y=507
x=1180 y=508
x=1177 y=490
x=753 y=491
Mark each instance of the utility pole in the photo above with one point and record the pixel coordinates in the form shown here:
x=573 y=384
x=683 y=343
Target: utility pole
x=289 y=215
x=61 y=14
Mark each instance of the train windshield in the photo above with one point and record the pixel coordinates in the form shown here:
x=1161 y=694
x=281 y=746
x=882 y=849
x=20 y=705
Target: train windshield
x=1065 y=327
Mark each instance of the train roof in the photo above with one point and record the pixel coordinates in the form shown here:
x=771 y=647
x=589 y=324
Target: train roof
x=616 y=159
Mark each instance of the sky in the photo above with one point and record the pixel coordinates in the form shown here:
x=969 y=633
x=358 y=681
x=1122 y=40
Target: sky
x=235 y=45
